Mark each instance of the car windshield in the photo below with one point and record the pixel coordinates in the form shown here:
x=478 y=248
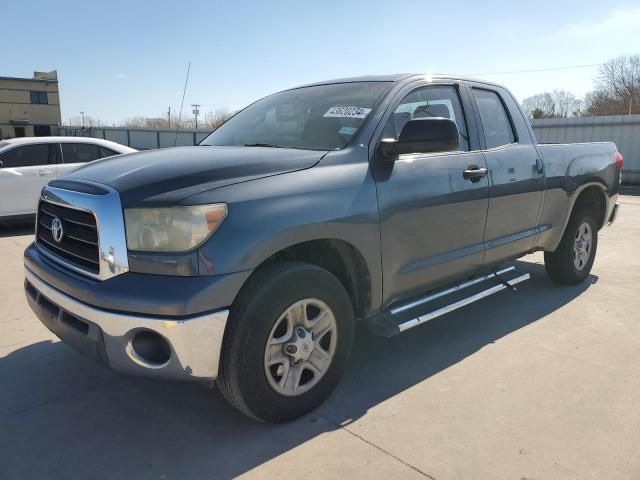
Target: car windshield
x=322 y=117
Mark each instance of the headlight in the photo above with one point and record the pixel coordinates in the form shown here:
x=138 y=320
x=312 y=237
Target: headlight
x=172 y=229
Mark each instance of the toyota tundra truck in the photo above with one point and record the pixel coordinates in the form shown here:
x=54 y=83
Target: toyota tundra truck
x=246 y=261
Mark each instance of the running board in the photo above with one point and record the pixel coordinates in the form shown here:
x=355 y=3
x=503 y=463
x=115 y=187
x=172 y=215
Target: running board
x=403 y=317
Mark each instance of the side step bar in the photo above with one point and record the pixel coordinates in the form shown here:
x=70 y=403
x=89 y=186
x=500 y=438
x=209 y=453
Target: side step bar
x=401 y=318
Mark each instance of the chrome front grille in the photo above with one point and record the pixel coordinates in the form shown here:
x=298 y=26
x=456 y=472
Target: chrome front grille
x=79 y=238
x=81 y=226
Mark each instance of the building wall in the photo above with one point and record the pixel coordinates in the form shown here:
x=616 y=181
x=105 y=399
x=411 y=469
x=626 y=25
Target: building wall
x=623 y=130
x=16 y=109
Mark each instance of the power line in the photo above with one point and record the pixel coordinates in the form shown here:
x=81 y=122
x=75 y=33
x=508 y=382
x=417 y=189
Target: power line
x=548 y=69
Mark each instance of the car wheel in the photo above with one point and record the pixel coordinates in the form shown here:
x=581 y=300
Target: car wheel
x=571 y=263
x=287 y=343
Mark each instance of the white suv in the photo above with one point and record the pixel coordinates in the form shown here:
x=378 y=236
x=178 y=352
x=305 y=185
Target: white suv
x=28 y=164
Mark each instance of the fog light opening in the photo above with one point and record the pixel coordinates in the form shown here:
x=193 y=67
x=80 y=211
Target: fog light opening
x=150 y=349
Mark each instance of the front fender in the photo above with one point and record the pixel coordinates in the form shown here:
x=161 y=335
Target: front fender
x=332 y=201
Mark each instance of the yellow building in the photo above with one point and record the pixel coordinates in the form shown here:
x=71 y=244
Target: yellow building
x=29 y=106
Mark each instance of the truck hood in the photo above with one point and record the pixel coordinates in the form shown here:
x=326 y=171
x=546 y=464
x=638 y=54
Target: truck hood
x=166 y=176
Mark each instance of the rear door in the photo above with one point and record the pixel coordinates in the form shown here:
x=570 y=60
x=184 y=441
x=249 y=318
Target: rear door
x=24 y=171
x=432 y=219
x=515 y=175
x=75 y=154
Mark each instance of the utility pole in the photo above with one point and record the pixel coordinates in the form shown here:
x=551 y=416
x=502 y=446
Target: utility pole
x=82 y=115
x=169 y=116
x=196 y=112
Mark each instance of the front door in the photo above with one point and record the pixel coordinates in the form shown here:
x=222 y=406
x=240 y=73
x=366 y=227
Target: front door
x=515 y=176
x=432 y=219
x=23 y=172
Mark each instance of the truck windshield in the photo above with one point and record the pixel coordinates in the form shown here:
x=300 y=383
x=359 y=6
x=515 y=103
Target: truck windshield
x=323 y=117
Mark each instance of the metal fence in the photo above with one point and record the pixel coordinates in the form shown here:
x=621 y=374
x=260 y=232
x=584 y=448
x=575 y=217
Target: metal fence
x=139 y=138
x=624 y=130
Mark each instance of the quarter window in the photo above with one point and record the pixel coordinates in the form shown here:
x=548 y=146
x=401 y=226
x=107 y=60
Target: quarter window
x=106 y=152
x=495 y=121
x=431 y=101
x=27 y=156
x=79 y=152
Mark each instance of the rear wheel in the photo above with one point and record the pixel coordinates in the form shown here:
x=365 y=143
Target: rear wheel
x=287 y=343
x=571 y=263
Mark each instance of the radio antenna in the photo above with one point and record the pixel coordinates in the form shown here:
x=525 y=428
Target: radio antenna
x=186 y=81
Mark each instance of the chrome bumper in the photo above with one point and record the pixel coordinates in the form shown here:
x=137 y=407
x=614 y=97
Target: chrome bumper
x=195 y=344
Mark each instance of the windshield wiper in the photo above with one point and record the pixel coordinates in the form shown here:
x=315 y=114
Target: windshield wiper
x=269 y=145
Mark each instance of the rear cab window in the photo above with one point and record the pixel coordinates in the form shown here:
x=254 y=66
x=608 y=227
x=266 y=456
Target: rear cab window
x=495 y=120
x=28 y=156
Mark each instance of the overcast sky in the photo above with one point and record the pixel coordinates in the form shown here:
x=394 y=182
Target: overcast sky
x=118 y=59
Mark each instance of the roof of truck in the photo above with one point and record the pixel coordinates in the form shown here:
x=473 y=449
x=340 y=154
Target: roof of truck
x=399 y=77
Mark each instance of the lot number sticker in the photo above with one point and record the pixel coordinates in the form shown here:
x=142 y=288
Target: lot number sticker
x=347 y=112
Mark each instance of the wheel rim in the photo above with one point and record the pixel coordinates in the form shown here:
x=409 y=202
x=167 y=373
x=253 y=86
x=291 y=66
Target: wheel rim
x=582 y=246
x=300 y=347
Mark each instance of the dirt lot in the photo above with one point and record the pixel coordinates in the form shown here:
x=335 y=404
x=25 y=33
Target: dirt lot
x=538 y=384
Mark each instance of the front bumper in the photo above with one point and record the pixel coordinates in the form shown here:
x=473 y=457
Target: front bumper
x=194 y=343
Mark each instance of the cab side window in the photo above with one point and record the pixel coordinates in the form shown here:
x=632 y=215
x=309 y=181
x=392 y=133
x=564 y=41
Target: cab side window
x=79 y=152
x=495 y=121
x=432 y=101
x=27 y=156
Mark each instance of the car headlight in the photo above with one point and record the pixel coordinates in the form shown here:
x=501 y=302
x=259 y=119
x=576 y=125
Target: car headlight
x=172 y=229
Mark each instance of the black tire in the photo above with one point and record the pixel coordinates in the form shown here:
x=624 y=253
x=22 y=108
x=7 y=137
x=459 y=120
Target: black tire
x=560 y=264
x=267 y=295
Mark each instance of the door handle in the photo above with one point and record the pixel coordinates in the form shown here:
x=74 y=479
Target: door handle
x=539 y=166
x=474 y=173
x=44 y=173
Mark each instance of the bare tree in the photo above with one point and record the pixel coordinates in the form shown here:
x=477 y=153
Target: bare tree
x=158 y=122
x=88 y=121
x=134 y=122
x=145 y=122
x=539 y=106
x=556 y=104
x=617 y=90
x=567 y=104
x=214 y=118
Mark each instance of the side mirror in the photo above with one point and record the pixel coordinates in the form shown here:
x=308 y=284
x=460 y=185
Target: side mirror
x=423 y=135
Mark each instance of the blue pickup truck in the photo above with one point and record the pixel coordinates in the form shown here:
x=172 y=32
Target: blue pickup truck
x=246 y=261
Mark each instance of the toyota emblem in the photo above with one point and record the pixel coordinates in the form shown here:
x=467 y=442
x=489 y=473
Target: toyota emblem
x=56 y=229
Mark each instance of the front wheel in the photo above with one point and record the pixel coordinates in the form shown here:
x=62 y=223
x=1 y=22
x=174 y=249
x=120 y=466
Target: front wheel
x=571 y=263
x=287 y=343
